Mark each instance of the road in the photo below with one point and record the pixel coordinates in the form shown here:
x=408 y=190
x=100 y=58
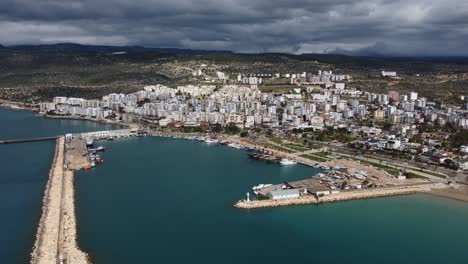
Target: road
x=403 y=163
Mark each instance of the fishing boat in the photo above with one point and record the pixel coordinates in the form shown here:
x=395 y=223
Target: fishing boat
x=287 y=162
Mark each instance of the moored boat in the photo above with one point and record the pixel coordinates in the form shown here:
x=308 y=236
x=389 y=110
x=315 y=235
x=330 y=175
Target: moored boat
x=287 y=162
x=235 y=145
x=211 y=140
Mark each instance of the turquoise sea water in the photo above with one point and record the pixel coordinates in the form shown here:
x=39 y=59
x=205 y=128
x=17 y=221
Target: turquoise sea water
x=23 y=176
x=157 y=200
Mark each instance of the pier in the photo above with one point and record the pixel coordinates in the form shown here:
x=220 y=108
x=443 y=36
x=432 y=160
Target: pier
x=13 y=141
x=57 y=232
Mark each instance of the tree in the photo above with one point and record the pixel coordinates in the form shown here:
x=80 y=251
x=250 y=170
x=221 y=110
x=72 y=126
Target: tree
x=244 y=134
x=216 y=128
x=232 y=129
x=343 y=185
x=449 y=163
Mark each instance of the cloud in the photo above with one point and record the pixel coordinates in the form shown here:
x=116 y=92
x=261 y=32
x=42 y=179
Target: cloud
x=387 y=27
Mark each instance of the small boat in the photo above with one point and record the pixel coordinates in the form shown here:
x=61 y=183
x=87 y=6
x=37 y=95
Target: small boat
x=101 y=148
x=256 y=188
x=87 y=167
x=234 y=145
x=287 y=162
x=211 y=141
x=98 y=159
x=93 y=163
x=89 y=143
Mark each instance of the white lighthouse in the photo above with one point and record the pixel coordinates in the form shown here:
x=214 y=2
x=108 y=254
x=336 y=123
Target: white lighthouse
x=248 y=197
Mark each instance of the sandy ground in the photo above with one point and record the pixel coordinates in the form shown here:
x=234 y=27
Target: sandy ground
x=459 y=192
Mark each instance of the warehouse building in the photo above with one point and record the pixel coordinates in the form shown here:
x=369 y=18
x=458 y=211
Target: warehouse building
x=284 y=194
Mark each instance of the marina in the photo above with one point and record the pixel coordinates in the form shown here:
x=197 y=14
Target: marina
x=216 y=229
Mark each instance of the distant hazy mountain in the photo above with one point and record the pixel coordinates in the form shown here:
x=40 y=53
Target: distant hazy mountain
x=72 y=47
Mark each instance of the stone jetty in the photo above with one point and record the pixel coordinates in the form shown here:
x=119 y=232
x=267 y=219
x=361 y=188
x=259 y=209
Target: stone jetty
x=342 y=196
x=56 y=234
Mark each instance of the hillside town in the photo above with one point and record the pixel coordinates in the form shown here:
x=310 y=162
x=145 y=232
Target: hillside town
x=321 y=109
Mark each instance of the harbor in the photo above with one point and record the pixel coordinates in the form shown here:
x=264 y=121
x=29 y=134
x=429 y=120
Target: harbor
x=82 y=149
x=56 y=239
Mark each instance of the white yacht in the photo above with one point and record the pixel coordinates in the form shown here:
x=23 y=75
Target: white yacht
x=287 y=162
x=256 y=188
x=234 y=145
x=211 y=140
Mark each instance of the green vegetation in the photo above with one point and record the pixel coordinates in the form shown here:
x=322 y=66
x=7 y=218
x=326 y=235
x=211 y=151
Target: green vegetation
x=277 y=140
x=297 y=147
x=232 y=129
x=459 y=138
x=341 y=135
x=323 y=154
x=271 y=146
x=411 y=175
x=190 y=129
x=435 y=174
x=315 y=158
x=93 y=74
x=392 y=171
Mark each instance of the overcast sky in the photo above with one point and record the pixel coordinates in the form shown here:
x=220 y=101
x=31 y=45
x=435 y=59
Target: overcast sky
x=407 y=27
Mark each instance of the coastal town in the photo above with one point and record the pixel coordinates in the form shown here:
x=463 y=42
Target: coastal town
x=391 y=143
x=364 y=145
x=322 y=110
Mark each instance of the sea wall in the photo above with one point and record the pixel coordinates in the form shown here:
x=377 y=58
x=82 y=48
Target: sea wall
x=343 y=196
x=56 y=233
x=69 y=236
x=46 y=245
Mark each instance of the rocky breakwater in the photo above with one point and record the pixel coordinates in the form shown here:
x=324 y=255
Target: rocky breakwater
x=56 y=234
x=342 y=196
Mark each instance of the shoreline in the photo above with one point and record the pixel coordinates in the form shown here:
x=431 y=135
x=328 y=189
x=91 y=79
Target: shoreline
x=459 y=193
x=18 y=105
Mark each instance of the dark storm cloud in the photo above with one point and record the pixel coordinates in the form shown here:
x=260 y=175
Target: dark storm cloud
x=412 y=27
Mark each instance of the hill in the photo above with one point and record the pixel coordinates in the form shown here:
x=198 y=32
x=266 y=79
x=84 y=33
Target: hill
x=39 y=72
